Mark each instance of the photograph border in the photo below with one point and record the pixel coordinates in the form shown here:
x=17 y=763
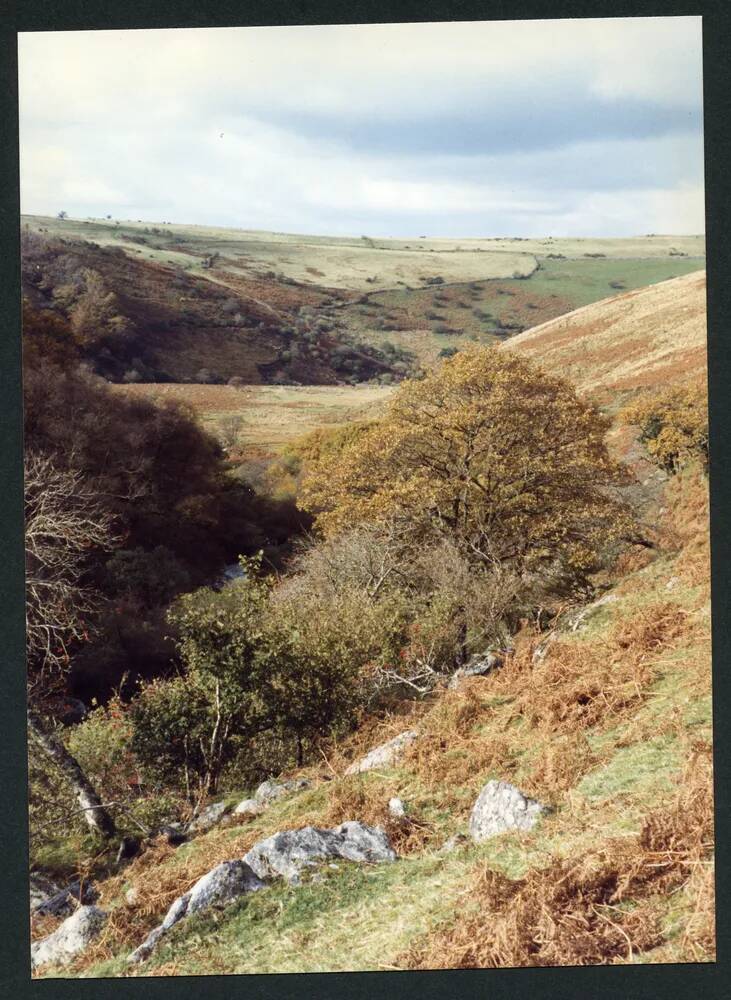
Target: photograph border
x=589 y=982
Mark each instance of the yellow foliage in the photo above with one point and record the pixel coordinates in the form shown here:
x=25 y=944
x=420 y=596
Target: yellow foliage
x=487 y=449
x=673 y=424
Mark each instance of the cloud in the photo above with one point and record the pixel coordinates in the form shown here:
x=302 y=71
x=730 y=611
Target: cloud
x=457 y=128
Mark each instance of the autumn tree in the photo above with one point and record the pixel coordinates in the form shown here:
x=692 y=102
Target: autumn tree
x=487 y=450
x=673 y=425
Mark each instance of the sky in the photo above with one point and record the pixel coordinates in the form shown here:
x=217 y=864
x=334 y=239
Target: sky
x=514 y=128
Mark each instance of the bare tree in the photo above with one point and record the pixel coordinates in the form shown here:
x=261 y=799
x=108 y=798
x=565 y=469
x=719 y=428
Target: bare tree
x=65 y=521
x=230 y=427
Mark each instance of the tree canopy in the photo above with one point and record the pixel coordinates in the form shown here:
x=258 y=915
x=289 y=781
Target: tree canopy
x=488 y=450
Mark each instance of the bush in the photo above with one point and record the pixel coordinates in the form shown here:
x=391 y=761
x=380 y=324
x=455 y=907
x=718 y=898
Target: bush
x=673 y=425
x=153 y=577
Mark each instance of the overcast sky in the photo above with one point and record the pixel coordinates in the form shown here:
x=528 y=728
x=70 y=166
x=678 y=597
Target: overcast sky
x=532 y=128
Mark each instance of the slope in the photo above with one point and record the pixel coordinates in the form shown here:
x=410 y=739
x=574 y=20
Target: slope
x=642 y=339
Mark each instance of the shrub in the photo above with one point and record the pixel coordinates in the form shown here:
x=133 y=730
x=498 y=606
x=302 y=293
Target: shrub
x=673 y=425
x=152 y=577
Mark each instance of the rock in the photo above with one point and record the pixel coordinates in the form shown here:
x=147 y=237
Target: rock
x=132 y=896
x=581 y=619
x=69 y=939
x=385 y=754
x=210 y=817
x=501 y=806
x=477 y=667
x=249 y=807
x=541 y=650
x=72 y=711
x=221 y=886
x=41 y=889
x=270 y=791
x=66 y=900
x=174 y=833
x=287 y=853
x=396 y=807
x=672 y=583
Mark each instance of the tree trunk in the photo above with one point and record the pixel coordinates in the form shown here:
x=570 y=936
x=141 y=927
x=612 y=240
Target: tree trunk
x=96 y=816
x=461 y=655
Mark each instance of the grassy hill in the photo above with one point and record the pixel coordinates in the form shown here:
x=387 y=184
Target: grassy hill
x=613 y=729
x=241 y=303
x=609 y=723
x=647 y=338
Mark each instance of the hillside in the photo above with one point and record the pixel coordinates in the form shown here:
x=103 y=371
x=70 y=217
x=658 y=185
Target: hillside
x=643 y=339
x=153 y=320
x=274 y=307
x=605 y=719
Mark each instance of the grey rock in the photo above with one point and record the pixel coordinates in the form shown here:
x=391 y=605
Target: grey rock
x=541 y=650
x=270 y=791
x=174 y=833
x=210 y=817
x=581 y=619
x=289 y=852
x=249 y=807
x=69 y=939
x=477 y=667
x=41 y=889
x=67 y=899
x=385 y=754
x=177 y=911
x=672 y=583
x=501 y=806
x=221 y=886
x=396 y=808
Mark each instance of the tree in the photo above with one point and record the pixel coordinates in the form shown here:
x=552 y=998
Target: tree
x=62 y=215
x=673 y=425
x=64 y=521
x=230 y=426
x=487 y=450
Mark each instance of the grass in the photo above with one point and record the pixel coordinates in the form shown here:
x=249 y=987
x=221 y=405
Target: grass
x=557 y=287
x=272 y=415
x=613 y=729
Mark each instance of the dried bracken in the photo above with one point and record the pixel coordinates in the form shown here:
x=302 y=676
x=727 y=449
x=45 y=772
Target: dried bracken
x=600 y=908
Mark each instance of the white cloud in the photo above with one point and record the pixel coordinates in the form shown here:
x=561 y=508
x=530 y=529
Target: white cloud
x=132 y=125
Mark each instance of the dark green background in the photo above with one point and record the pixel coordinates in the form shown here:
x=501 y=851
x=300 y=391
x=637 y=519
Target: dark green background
x=698 y=982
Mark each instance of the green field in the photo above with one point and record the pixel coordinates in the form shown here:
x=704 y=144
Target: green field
x=491 y=310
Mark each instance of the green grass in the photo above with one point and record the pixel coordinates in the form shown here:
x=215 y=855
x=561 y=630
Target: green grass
x=636 y=769
x=556 y=288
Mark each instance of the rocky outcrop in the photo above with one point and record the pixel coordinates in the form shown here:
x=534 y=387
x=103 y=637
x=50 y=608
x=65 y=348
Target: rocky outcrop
x=69 y=939
x=385 y=754
x=210 y=817
x=270 y=791
x=289 y=852
x=500 y=807
x=221 y=886
x=41 y=889
x=249 y=807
